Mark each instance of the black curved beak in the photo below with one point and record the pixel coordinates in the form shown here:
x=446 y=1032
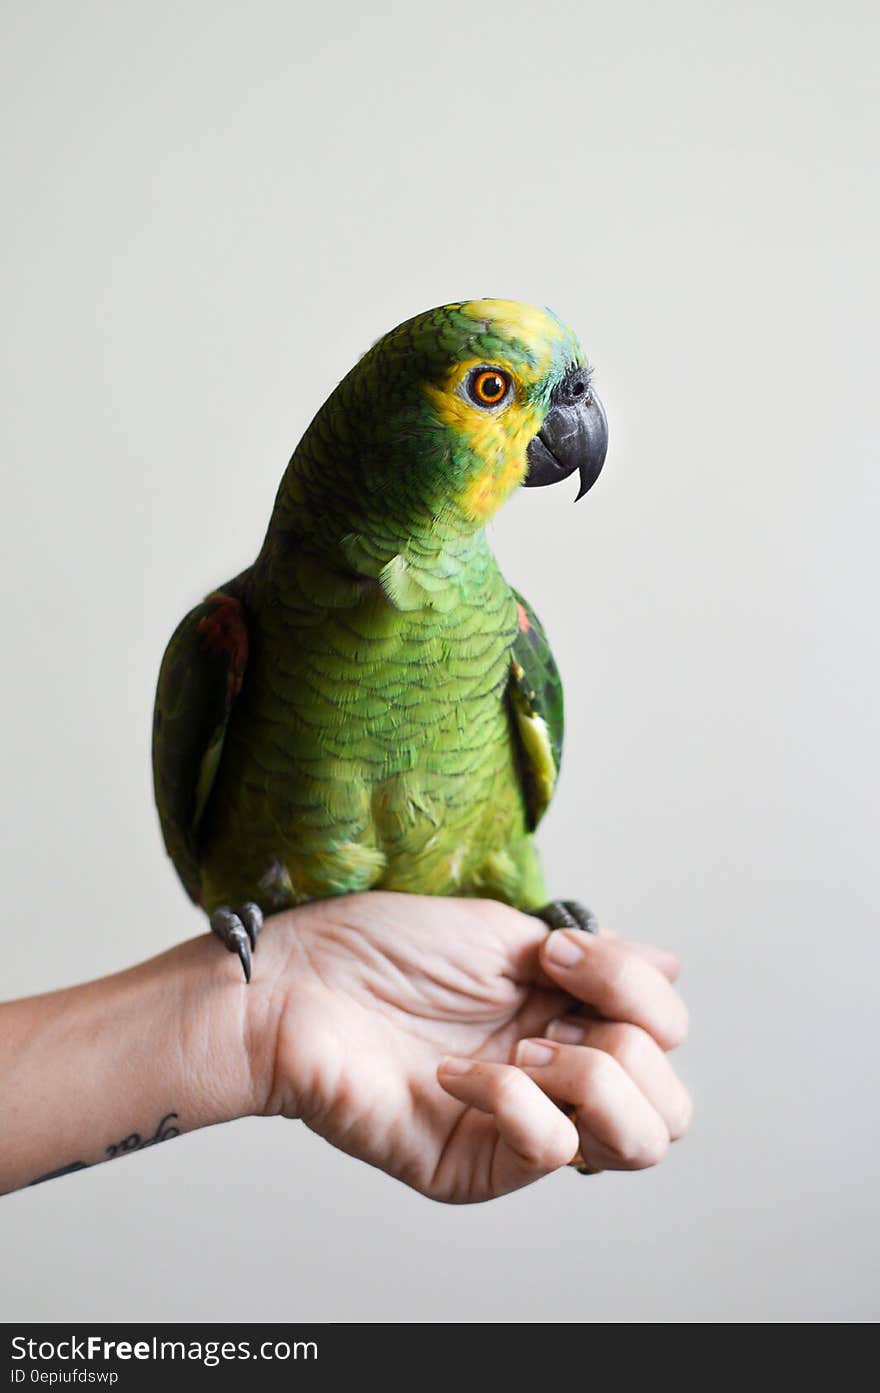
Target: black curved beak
x=574 y=436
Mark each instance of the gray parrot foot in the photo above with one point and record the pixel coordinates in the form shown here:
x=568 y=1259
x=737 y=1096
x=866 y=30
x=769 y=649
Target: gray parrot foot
x=237 y=930
x=568 y=914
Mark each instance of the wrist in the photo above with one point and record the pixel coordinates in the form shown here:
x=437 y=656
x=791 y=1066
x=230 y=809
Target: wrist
x=233 y=1033
x=216 y=1021
x=275 y=1026
x=111 y=1061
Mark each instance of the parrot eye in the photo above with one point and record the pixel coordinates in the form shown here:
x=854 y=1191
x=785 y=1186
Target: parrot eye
x=488 y=386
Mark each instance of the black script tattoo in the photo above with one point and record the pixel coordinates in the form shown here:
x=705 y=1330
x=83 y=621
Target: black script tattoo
x=133 y=1142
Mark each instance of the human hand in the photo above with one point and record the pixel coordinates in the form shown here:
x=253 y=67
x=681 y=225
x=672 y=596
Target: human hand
x=359 y=999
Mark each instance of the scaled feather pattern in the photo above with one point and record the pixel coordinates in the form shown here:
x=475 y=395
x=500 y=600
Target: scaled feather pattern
x=370 y=705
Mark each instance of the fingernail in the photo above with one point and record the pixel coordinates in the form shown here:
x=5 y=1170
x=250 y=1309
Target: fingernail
x=564 y=949
x=450 y=1065
x=567 y=1032
x=534 y=1052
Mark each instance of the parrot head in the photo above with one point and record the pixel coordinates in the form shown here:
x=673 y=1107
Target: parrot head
x=440 y=422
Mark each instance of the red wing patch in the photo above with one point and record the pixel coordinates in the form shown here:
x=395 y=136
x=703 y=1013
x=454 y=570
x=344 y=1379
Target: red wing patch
x=522 y=618
x=224 y=630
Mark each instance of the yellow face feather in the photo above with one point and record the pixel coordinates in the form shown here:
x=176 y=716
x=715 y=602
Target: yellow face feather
x=500 y=438
x=529 y=344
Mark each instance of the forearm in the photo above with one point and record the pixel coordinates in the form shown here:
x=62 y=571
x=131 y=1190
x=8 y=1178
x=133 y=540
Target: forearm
x=89 y=1073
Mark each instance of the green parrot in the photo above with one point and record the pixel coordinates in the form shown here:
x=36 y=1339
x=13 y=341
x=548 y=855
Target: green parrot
x=370 y=705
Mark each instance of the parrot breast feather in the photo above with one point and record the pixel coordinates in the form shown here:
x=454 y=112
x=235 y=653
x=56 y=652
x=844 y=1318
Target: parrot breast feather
x=535 y=694
x=200 y=677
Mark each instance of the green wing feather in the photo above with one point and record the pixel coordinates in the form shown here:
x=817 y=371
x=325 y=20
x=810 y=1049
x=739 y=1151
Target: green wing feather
x=535 y=692
x=200 y=677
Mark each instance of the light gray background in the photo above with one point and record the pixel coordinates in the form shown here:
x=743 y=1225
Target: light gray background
x=211 y=210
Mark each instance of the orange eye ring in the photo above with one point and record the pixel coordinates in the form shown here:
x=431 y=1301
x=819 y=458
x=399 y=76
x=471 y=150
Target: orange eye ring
x=489 y=386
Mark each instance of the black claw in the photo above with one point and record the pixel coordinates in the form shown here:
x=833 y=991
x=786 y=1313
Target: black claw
x=244 y=953
x=238 y=931
x=568 y=914
x=251 y=917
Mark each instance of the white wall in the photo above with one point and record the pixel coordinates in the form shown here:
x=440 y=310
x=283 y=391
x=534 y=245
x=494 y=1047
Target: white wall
x=210 y=210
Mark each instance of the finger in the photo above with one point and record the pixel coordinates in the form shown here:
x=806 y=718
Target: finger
x=661 y=958
x=641 y=1057
x=535 y=1137
x=619 y=983
x=618 y=1128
